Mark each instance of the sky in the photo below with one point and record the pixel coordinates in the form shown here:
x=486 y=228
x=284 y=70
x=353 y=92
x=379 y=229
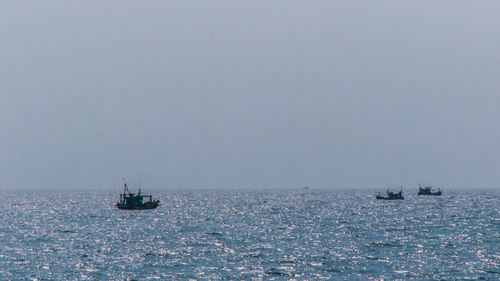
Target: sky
x=249 y=94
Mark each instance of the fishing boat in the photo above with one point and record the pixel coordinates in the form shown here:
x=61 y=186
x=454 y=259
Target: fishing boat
x=131 y=201
x=391 y=195
x=427 y=190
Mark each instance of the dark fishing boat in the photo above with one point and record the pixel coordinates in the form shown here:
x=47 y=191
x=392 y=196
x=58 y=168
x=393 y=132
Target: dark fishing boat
x=391 y=195
x=427 y=190
x=131 y=201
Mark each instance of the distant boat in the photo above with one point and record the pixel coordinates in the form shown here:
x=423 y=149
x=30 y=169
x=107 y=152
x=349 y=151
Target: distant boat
x=391 y=195
x=130 y=201
x=427 y=190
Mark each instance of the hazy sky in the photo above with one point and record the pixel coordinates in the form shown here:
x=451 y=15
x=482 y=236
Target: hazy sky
x=197 y=94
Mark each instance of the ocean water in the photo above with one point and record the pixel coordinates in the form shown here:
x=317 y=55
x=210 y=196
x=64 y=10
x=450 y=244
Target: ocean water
x=250 y=235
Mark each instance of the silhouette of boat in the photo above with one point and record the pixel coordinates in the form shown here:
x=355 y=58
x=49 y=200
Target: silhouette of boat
x=131 y=201
x=427 y=190
x=391 y=195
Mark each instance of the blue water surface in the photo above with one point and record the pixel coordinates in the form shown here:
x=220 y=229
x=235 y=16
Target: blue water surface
x=250 y=235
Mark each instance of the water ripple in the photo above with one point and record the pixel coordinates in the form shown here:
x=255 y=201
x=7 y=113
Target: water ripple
x=271 y=235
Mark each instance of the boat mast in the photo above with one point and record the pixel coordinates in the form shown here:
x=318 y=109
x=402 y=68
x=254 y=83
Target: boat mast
x=125 y=189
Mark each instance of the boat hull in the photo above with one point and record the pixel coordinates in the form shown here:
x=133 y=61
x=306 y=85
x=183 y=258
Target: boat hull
x=427 y=191
x=431 y=194
x=146 y=206
x=389 y=198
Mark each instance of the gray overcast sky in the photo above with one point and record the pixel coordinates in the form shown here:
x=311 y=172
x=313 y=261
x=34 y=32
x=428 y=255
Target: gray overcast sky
x=228 y=94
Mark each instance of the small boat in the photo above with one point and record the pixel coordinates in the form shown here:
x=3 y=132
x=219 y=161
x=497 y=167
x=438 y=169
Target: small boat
x=391 y=195
x=427 y=190
x=131 y=201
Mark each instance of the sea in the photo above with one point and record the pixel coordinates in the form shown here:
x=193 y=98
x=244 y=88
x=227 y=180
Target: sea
x=261 y=234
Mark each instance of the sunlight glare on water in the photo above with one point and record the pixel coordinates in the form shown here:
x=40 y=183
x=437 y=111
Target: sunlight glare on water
x=234 y=234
